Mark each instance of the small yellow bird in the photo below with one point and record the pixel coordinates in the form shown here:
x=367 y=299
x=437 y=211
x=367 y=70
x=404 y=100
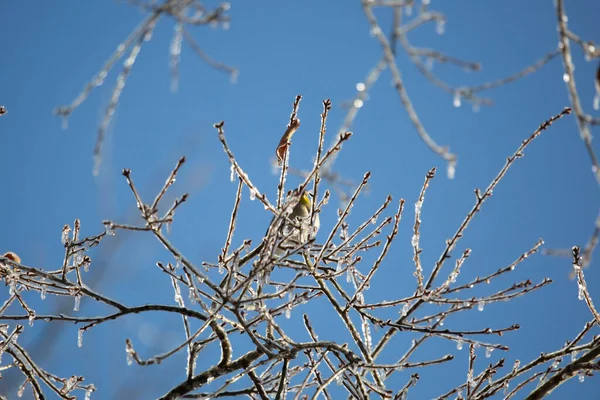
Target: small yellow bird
x=297 y=228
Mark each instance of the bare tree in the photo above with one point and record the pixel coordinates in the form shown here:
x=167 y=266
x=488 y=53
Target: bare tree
x=261 y=285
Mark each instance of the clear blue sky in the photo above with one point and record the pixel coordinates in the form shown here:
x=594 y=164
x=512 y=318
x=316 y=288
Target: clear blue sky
x=320 y=50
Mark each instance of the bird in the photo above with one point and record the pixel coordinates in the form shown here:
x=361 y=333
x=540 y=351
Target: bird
x=298 y=228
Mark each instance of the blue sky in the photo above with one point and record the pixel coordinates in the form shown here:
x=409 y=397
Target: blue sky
x=320 y=50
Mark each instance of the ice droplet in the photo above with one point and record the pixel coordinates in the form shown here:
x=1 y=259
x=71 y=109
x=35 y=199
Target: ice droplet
x=481 y=305
x=78 y=258
x=360 y=87
x=459 y=344
x=288 y=312
x=358 y=103
x=566 y=77
x=580 y=293
x=488 y=352
x=31 y=318
x=457 y=102
x=43 y=292
x=232 y=173
x=375 y=31
x=597 y=102
x=252 y=194
x=581 y=377
x=109 y=228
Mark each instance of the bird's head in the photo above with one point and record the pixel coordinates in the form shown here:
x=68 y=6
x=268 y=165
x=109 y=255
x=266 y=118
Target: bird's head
x=305 y=200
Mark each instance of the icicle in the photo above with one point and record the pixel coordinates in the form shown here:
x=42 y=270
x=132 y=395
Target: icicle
x=405 y=308
x=488 y=352
x=451 y=169
x=31 y=317
x=64 y=237
x=88 y=392
x=192 y=295
x=340 y=265
x=459 y=344
x=80 y=338
x=233 y=78
x=77 y=299
x=43 y=292
x=440 y=27
x=232 y=173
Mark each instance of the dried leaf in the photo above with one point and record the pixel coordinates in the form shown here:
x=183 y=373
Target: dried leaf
x=286 y=140
x=12 y=256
